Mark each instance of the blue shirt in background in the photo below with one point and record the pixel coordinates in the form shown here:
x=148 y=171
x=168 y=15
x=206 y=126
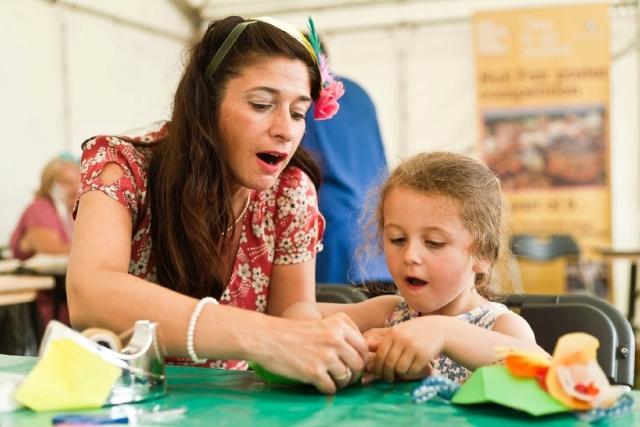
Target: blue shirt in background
x=351 y=155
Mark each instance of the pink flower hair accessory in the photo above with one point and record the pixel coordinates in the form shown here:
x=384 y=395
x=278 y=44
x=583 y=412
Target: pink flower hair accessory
x=332 y=90
x=327 y=104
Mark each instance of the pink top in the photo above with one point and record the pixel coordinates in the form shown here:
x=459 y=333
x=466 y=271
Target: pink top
x=40 y=213
x=282 y=225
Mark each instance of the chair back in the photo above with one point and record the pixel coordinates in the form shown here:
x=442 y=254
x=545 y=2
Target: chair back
x=541 y=249
x=339 y=293
x=549 y=265
x=551 y=316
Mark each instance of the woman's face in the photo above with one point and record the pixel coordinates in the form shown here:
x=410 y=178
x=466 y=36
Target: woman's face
x=262 y=119
x=68 y=180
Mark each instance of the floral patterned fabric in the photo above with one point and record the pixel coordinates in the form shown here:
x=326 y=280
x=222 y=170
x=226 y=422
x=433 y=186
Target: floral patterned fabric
x=282 y=225
x=484 y=316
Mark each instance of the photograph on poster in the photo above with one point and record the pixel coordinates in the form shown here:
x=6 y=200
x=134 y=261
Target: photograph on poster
x=546 y=148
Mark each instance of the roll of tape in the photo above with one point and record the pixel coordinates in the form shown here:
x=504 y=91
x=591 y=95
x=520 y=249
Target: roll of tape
x=103 y=337
x=9 y=383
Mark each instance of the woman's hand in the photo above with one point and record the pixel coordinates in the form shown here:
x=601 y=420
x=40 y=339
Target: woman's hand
x=328 y=353
x=404 y=351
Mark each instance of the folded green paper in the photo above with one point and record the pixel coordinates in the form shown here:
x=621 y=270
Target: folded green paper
x=494 y=384
x=270 y=377
x=273 y=378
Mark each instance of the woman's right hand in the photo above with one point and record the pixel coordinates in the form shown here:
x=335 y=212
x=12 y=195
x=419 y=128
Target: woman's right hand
x=329 y=353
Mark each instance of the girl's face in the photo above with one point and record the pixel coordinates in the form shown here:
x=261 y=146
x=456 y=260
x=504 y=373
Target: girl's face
x=262 y=120
x=428 y=252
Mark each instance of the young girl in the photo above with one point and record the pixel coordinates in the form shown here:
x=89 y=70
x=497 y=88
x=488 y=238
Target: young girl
x=440 y=222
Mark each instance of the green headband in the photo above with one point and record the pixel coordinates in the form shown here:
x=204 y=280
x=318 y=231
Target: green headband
x=224 y=49
x=235 y=33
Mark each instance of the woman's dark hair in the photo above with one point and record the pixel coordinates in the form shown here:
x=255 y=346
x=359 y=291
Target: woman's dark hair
x=189 y=180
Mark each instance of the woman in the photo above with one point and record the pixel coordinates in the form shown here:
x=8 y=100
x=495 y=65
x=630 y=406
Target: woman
x=46 y=227
x=46 y=224
x=219 y=202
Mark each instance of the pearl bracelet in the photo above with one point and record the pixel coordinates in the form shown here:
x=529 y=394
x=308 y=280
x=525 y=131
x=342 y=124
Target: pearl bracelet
x=192 y=327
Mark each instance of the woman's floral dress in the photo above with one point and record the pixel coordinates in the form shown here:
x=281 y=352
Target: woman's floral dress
x=282 y=225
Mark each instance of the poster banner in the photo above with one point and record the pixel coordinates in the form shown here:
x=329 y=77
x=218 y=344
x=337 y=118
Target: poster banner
x=542 y=79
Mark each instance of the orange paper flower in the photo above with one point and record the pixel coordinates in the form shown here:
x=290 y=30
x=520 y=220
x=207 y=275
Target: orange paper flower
x=525 y=364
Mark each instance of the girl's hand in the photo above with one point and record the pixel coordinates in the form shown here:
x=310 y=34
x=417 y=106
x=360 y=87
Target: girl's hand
x=328 y=353
x=373 y=337
x=405 y=351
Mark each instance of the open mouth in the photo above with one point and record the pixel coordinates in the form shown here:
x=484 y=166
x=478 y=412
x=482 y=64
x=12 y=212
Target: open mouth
x=271 y=158
x=414 y=281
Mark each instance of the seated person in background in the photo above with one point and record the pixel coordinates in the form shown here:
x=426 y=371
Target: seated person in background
x=441 y=222
x=352 y=160
x=46 y=227
x=46 y=224
x=209 y=224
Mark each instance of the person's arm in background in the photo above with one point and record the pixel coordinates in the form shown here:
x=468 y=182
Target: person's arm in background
x=42 y=230
x=43 y=240
x=101 y=293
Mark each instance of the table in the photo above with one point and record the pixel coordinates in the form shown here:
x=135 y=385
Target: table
x=633 y=255
x=232 y=398
x=43 y=265
x=20 y=324
x=18 y=289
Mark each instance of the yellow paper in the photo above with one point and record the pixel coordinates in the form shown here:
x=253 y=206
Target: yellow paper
x=68 y=376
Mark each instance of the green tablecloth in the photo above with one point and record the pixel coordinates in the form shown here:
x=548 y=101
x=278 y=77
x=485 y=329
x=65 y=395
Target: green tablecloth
x=231 y=398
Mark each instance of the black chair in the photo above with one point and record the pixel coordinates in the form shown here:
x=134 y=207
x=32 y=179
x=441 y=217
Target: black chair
x=339 y=293
x=375 y=288
x=538 y=249
x=552 y=316
x=541 y=250
x=20 y=329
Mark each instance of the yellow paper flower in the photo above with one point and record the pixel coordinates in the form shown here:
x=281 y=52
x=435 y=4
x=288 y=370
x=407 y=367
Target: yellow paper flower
x=575 y=378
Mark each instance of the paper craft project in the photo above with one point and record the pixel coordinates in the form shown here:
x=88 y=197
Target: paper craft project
x=576 y=379
x=68 y=376
x=272 y=378
x=571 y=380
x=494 y=384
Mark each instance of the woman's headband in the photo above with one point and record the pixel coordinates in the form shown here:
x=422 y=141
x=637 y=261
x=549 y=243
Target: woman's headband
x=327 y=104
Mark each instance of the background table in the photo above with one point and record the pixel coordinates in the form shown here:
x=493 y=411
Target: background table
x=17 y=289
x=232 y=398
x=20 y=324
x=52 y=267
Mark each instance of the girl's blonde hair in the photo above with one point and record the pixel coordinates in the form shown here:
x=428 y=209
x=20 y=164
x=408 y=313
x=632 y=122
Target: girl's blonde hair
x=476 y=191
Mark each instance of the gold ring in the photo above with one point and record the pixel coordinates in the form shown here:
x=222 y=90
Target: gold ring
x=346 y=376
